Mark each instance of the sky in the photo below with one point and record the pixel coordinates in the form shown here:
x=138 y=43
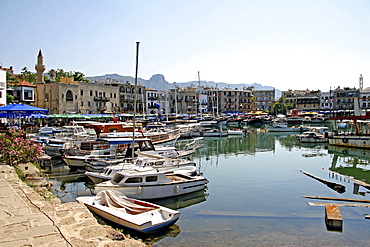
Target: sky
x=286 y=44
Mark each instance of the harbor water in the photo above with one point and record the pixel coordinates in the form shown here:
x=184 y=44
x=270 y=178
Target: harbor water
x=254 y=194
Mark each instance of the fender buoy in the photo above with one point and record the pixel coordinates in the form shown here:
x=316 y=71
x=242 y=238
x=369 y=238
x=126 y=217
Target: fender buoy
x=138 y=191
x=345 y=140
x=176 y=189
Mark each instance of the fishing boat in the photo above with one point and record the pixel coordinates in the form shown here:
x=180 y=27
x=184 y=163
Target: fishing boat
x=144 y=183
x=130 y=213
x=360 y=136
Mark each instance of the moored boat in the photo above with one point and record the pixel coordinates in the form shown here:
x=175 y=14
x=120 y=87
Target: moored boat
x=152 y=184
x=312 y=137
x=134 y=214
x=283 y=128
x=178 y=166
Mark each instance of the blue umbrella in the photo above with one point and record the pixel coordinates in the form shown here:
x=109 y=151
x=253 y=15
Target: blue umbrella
x=21 y=110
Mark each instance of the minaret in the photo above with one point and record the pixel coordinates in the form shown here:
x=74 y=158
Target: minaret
x=361 y=82
x=40 y=68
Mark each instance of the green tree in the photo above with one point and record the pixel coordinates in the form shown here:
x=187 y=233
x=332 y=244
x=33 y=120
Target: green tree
x=27 y=75
x=11 y=79
x=281 y=106
x=78 y=76
x=9 y=99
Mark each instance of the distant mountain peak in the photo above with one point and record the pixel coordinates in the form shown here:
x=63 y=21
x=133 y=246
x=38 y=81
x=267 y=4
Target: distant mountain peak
x=158 y=82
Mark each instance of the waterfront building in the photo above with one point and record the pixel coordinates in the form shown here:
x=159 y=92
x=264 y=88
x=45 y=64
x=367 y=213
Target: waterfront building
x=236 y=100
x=126 y=97
x=344 y=98
x=364 y=99
x=327 y=100
x=186 y=100
x=152 y=103
x=2 y=87
x=22 y=91
x=303 y=100
x=264 y=99
x=68 y=96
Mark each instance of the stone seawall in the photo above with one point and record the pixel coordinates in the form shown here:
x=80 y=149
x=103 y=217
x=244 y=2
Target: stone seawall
x=31 y=216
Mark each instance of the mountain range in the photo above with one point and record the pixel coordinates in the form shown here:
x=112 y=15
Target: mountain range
x=158 y=82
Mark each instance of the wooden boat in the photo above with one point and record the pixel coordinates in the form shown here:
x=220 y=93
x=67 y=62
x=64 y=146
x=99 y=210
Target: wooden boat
x=134 y=214
x=152 y=184
x=122 y=130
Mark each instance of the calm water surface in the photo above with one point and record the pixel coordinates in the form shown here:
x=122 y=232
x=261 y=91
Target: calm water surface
x=254 y=195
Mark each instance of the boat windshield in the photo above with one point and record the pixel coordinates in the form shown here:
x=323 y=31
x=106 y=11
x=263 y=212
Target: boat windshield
x=117 y=178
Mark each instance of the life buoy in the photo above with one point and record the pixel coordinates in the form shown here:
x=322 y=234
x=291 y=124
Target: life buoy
x=345 y=140
x=201 y=134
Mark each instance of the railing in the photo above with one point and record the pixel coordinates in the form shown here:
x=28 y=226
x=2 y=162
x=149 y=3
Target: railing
x=96 y=98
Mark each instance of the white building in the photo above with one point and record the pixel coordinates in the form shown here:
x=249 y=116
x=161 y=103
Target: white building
x=152 y=102
x=2 y=87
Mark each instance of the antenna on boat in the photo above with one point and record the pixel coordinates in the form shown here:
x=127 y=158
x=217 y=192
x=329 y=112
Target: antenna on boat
x=135 y=92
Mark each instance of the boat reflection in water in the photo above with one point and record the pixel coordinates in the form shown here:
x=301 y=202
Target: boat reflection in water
x=183 y=201
x=352 y=164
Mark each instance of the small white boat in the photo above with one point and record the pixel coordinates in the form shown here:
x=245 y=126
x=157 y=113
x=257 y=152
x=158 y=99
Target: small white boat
x=134 y=214
x=144 y=183
x=312 y=137
x=282 y=128
x=178 y=166
x=209 y=133
x=235 y=132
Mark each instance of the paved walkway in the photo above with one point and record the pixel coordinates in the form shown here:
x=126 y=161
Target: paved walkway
x=27 y=219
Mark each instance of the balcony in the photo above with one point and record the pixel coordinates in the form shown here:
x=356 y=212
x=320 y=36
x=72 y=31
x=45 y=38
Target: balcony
x=104 y=99
x=152 y=98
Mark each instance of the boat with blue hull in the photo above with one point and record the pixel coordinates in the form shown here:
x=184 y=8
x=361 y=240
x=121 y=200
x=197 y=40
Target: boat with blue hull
x=137 y=215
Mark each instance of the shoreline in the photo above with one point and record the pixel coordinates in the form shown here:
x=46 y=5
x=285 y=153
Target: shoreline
x=31 y=215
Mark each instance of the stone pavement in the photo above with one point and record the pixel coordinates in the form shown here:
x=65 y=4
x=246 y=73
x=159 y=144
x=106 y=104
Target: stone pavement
x=28 y=219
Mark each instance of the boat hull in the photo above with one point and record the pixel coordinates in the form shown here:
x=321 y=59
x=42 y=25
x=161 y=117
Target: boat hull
x=148 y=222
x=146 y=192
x=350 y=141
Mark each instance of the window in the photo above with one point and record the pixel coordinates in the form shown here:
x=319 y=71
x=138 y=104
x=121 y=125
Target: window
x=82 y=92
x=27 y=94
x=91 y=93
x=117 y=178
x=134 y=180
x=69 y=95
x=151 y=178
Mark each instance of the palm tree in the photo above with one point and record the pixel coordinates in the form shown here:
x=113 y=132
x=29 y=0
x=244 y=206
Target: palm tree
x=52 y=73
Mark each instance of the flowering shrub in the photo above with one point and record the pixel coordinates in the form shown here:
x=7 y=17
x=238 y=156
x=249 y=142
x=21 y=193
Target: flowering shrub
x=16 y=148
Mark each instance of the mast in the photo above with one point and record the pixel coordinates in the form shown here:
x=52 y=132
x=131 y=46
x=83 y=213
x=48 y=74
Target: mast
x=135 y=99
x=198 y=104
x=175 y=102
